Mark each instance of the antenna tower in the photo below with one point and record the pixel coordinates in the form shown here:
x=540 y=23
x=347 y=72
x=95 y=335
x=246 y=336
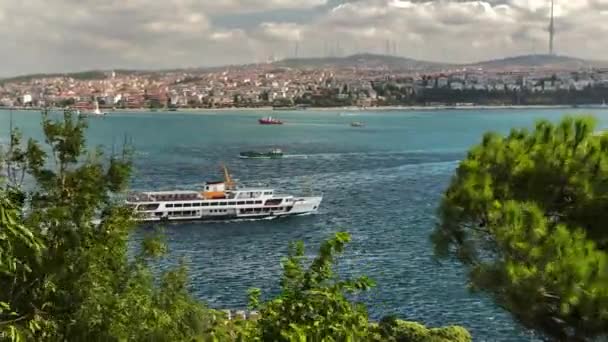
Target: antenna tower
x=552 y=29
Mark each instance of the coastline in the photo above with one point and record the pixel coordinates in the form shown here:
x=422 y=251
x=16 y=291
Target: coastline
x=329 y=109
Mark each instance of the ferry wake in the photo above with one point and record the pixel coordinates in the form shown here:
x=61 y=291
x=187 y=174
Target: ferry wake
x=222 y=200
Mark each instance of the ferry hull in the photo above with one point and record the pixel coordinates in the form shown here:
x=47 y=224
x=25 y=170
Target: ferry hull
x=237 y=218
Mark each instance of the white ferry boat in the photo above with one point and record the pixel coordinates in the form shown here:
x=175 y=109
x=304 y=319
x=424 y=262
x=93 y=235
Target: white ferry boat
x=219 y=201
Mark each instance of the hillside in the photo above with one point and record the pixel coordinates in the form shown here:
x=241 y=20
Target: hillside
x=539 y=61
x=361 y=60
x=401 y=63
x=371 y=61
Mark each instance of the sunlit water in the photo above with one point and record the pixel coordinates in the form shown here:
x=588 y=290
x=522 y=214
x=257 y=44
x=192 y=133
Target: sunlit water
x=382 y=183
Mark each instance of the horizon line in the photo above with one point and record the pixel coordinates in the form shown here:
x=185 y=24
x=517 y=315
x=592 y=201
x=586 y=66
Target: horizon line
x=292 y=58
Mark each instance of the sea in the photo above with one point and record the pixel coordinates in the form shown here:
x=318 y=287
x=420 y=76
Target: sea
x=382 y=183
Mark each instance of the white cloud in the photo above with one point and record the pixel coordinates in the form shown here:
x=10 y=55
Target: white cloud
x=244 y=6
x=461 y=31
x=42 y=35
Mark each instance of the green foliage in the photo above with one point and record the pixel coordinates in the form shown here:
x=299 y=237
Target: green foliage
x=525 y=214
x=313 y=306
x=18 y=245
x=313 y=303
x=81 y=284
x=395 y=330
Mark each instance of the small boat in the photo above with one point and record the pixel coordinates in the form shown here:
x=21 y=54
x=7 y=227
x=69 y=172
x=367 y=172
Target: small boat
x=269 y=120
x=219 y=200
x=275 y=153
x=95 y=112
x=357 y=124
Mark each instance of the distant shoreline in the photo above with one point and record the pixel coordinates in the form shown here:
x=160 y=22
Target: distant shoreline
x=328 y=109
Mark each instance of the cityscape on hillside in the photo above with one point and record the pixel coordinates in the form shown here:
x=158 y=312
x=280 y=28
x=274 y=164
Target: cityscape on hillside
x=361 y=80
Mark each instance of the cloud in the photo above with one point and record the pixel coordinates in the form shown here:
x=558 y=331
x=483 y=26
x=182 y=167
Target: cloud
x=61 y=35
x=460 y=31
x=243 y=6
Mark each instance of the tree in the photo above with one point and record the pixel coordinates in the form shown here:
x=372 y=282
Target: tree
x=526 y=214
x=18 y=246
x=313 y=306
x=70 y=277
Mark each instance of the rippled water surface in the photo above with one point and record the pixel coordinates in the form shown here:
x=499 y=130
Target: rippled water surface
x=382 y=183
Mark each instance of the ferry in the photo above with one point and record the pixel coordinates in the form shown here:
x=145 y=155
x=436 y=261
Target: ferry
x=222 y=200
x=275 y=153
x=269 y=120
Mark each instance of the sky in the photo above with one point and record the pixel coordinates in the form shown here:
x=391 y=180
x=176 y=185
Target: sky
x=74 y=35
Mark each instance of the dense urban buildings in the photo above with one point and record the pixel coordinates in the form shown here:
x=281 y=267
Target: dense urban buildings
x=364 y=81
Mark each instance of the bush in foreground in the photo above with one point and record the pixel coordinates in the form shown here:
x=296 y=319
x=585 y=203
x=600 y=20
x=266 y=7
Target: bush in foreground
x=526 y=213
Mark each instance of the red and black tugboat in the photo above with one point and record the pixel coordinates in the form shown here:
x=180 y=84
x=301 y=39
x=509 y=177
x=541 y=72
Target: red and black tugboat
x=269 y=120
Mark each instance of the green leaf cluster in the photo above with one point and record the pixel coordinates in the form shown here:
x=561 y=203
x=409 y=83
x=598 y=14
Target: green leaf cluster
x=527 y=214
x=314 y=306
x=68 y=275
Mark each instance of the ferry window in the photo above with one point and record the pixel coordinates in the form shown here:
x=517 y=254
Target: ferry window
x=222 y=203
x=169 y=205
x=186 y=205
x=240 y=203
x=214 y=203
x=179 y=205
x=258 y=202
x=152 y=206
x=196 y=204
x=205 y=204
x=249 y=202
x=159 y=214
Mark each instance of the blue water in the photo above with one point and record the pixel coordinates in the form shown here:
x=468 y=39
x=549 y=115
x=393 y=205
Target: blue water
x=381 y=183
